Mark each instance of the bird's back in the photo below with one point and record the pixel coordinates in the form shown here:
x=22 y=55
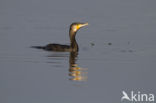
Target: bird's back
x=54 y=47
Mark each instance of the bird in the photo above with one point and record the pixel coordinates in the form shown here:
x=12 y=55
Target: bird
x=73 y=47
x=125 y=96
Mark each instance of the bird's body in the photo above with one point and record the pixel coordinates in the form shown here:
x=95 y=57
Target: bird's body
x=54 y=47
x=73 y=47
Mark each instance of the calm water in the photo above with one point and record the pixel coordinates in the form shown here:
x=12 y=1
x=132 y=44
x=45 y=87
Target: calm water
x=99 y=72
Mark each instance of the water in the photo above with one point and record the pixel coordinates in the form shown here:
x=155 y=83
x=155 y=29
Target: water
x=117 y=50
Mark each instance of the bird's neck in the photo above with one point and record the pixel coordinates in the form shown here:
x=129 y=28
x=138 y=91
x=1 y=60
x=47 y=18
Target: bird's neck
x=73 y=43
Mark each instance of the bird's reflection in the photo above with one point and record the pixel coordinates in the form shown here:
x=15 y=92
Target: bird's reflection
x=76 y=73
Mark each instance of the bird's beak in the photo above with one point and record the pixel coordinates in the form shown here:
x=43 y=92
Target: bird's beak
x=85 y=24
x=81 y=25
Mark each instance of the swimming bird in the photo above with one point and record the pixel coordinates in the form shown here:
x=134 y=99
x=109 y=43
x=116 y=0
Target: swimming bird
x=73 y=47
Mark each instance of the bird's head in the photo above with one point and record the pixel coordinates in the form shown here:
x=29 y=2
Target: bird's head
x=74 y=27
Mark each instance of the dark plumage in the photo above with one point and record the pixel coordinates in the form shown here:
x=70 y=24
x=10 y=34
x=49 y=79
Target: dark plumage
x=53 y=47
x=73 y=47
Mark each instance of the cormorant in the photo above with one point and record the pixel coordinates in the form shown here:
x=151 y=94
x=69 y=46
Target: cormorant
x=73 y=47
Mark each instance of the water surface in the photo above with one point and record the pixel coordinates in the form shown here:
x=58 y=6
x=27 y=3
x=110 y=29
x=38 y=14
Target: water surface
x=117 y=50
